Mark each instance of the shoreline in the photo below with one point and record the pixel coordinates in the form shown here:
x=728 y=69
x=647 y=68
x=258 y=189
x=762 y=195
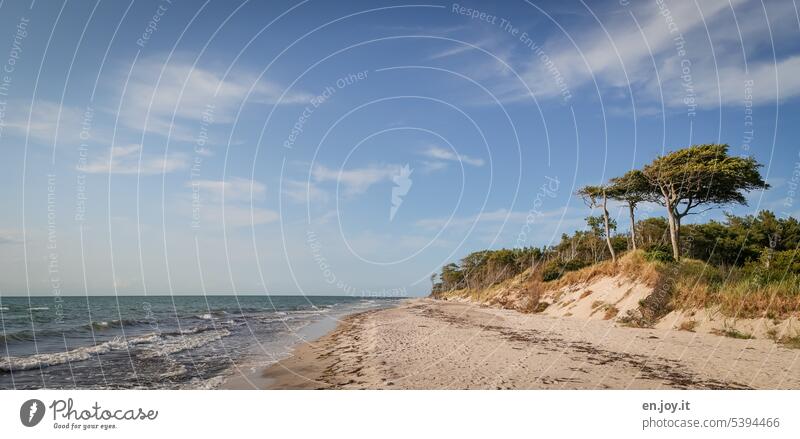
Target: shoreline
x=247 y=377
x=431 y=344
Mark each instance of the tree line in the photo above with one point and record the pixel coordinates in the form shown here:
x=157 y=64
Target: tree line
x=684 y=182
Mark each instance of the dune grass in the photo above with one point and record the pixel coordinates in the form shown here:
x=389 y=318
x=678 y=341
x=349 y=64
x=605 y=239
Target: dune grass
x=735 y=291
x=740 y=292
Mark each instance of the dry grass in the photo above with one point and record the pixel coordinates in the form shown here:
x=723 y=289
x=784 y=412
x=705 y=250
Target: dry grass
x=611 y=312
x=790 y=342
x=632 y=265
x=685 y=285
x=688 y=325
x=733 y=291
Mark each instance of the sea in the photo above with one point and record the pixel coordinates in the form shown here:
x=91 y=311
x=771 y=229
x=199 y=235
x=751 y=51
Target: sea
x=157 y=342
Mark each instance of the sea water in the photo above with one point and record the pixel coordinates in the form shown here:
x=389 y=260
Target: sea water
x=153 y=341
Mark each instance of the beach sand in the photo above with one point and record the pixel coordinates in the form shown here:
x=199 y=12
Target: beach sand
x=427 y=344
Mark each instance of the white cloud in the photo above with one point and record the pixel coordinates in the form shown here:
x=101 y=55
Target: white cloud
x=303 y=192
x=436 y=152
x=233 y=189
x=125 y=160
x=183 y=93
x=49 y=123
x=209 y=216
x=627 y=57
x=356 y=180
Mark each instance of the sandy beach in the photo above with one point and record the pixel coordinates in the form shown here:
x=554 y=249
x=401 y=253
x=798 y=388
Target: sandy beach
x=428 y=344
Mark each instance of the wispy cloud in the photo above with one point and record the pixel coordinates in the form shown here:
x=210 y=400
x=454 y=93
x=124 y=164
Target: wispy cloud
x=125 y=160
x=157 y=94
x=49 y=123
x=233 y=189
x=439 y=153
x=356 y=180
x=303 y=192
x=724 y=44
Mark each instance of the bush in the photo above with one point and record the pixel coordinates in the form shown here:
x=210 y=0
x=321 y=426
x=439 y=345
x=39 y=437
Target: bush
x=659 y=253
x=555 y=268
x=784 y=262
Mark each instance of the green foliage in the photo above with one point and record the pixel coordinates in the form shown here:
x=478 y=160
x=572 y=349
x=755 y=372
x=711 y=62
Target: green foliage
x=556 y=268
x=700 y=175
x=487 y=267
x=592 y=195
x=632 y=188
x=703 y=174
x=652 y=231
x=741 y=240
x=784 y=262
x=619 y=243
x=597 y=226
x=659 y=254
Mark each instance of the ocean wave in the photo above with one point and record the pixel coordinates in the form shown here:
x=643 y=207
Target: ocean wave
x=212 y=315
x=3 y=308
x=17 y=336
x=78 y=354
x=311 y=311
x=173 y=345
x=205 y=384
x=28 y=335
x=147 y=346
x=39 y=308
x=103 y=324
x=199 y=329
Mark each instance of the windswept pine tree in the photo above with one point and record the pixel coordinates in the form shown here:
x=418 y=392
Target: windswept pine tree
x=699 y=178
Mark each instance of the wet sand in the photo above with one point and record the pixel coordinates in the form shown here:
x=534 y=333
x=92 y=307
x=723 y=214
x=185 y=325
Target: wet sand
x=427 y=344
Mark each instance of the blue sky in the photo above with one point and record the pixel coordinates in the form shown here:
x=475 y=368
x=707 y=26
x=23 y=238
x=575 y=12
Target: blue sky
x=354 y=148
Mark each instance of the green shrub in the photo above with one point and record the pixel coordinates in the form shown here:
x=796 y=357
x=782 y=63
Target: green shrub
x=784 y=262
x=555 y=268
x=659 y=253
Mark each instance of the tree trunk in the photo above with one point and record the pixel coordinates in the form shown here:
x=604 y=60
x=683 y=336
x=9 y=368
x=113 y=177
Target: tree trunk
x=631 y=207
x=608 y=230
x=674 y=232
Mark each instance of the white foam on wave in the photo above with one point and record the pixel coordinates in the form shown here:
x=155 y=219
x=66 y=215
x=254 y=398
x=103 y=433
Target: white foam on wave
x=3 y=308
x=152 y=345
x=39 y=308
x=205 y=384
x=77 y=354
x=179 y=343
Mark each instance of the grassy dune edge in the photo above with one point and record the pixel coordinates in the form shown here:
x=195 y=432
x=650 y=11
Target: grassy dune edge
x=689 y=295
